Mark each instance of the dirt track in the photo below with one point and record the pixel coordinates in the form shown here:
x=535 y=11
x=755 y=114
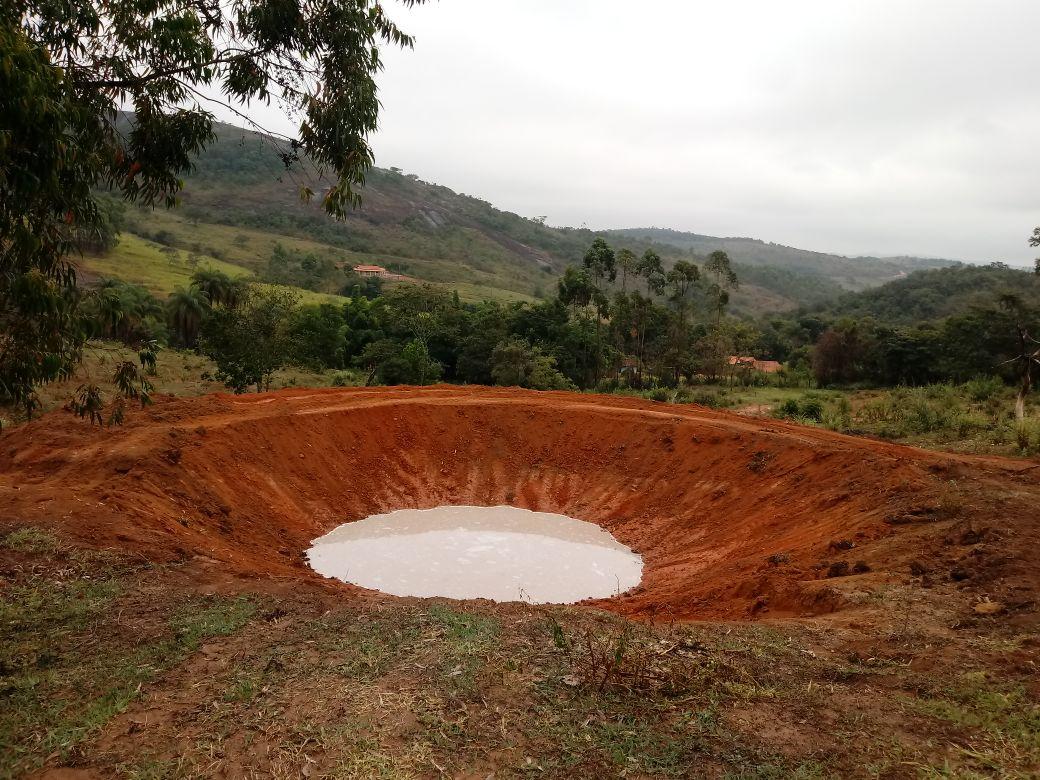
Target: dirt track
x=734 y=517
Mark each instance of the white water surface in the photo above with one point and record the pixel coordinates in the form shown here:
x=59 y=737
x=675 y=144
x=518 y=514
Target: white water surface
x=464 y=552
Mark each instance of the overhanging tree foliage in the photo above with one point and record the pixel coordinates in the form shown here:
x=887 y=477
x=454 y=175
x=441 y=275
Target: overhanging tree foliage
x=1034 y=240
x=67 y=68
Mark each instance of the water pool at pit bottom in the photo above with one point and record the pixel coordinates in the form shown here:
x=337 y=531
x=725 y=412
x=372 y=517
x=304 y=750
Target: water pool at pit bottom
x=501 y=553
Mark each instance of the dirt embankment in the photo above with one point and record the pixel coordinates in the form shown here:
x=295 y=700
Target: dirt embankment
x=734 y=517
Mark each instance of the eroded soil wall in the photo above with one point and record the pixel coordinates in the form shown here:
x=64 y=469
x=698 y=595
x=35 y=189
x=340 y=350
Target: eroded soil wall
x=734 y=517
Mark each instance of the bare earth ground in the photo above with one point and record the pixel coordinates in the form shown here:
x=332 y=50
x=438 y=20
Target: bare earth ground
x=813 y=605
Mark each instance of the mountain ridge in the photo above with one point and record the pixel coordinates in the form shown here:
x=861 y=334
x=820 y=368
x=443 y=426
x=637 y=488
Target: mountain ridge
x=435 y=234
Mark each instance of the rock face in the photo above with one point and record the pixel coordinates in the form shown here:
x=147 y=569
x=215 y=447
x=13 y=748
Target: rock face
x=250 y=480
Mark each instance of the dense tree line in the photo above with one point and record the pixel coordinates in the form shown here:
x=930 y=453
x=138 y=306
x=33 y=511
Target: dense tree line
x=951 y=324
x=617 y=319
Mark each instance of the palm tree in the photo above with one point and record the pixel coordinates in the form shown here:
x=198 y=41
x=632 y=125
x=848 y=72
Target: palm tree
x=219 y=288
x=185 y=310
x=111 y=308
x=723 y=280
x=122 y=311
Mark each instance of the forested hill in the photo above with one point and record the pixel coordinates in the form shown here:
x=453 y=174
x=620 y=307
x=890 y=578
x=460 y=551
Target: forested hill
x=938 y=293
x=400 y=214
x=241 y=202
x=851 y=273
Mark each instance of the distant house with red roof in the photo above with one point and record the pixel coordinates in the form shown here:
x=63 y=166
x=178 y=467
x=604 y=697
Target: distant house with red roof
x=765 y=366
x=378 y=272
x=372 y=270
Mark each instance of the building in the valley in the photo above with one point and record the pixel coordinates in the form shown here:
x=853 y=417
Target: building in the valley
x=747 y=362
x=373 y=270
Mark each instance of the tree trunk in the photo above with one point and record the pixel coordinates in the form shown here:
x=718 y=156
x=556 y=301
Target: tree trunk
x=1023 y=391
x=1027 y=372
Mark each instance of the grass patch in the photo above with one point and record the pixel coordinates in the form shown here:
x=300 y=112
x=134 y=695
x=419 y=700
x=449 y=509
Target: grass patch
x=467 y=631
x=364 y=648
x=468 y=262
x=30 y=540
x=68 y=663
x=199 y=620
x=162 y=269
x=808 y=770
x=152 y=770
x=1001 y=723
x=244 y=688
x=466 y=639
x=433 y=689
x=976 y=416
x=140 y=261
x=639 y=745
x=178 y=372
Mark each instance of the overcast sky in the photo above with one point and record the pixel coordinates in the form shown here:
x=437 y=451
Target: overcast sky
x=874 y=126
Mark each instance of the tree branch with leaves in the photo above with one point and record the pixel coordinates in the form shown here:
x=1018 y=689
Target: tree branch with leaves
x=1034 y=240
x=67 y=70
x=1028 y=358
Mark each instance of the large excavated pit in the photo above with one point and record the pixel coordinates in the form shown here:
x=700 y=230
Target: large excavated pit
x=733 y=517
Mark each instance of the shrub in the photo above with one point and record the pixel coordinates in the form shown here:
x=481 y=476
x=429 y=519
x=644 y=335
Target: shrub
x=1027 y=436
x=342 y=379
x=939 y=391
x=921 y=416
x=811 y=409
x=982 y=388
x=704 y=398
x=967 y=424
x=840 y=419
x=516 y=363
x=808 y=409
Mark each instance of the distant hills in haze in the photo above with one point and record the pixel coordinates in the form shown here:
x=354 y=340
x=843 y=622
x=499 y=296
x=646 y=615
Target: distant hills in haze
x=240 y=202
x=851 y=273
x=937 y=293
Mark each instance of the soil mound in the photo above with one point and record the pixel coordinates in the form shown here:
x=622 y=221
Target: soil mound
x=734 y=517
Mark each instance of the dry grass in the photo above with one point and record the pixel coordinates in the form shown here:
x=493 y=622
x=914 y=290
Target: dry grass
x=125 y=668
x=178 y=372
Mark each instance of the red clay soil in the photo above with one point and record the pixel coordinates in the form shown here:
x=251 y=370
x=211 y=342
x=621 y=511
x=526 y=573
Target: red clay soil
x=734 y=517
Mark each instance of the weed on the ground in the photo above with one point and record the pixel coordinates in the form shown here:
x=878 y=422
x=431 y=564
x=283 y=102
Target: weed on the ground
x=116 y=666
x=75 y=651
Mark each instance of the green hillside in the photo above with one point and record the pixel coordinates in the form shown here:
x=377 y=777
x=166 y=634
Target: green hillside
x=242 y=202
x=158 y=268
x=937 y=293
x=143 y=255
